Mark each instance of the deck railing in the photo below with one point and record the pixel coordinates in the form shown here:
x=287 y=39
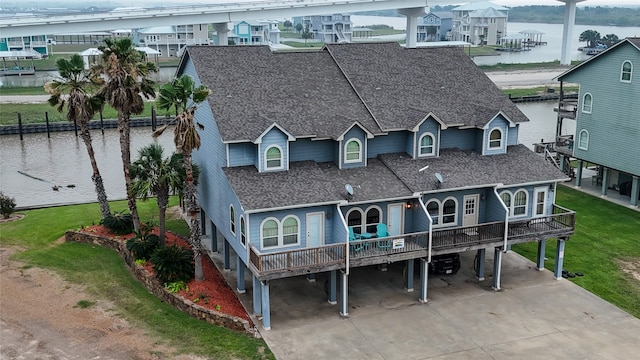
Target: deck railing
x=561 y=222
x=389 y=245
x=322 y=256
x=462 y=237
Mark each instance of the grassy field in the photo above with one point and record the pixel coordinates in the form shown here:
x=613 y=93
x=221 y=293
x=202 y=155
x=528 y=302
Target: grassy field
x=538 y=90
x=35 y=113
x=606 y=242
x=106 y=277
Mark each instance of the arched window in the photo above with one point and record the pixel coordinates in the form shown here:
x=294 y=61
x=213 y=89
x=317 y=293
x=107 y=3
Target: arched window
x=232 y=219
x=243 y=232
x=449 y=211
x=520 y=203
x=290 y=231
x=506 y=198
x=353 y=151
x=373 y=219
x=354 y=220
x=583 y=140
x=433 y=207
x=495 y=139
x=269 y=233
x=426 y=145
x=626 y=71
x=587 y=103
x=273 y=157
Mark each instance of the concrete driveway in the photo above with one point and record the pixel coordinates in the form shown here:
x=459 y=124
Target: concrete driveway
x=533 y=317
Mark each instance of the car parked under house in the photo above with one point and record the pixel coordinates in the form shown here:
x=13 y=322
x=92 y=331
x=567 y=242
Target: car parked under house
x=363 y=154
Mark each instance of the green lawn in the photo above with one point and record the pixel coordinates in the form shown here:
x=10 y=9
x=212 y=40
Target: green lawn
x=104 y=273
x=35 y=113
x=607 y=236
x=539 y=90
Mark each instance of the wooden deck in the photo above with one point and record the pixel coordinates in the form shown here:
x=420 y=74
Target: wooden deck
x=560 y=224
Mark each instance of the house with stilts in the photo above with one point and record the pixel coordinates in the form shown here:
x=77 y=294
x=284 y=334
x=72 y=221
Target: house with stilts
x=607 y=117
x=363 y=155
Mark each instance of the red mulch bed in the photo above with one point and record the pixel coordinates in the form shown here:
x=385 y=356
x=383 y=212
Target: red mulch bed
x=213 y=293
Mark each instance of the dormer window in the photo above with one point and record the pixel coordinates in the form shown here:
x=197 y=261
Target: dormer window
x=353 y=151
x=427 y=147
x=626 y=71
x=587 y=103
x=495 y=139
x=273 y=158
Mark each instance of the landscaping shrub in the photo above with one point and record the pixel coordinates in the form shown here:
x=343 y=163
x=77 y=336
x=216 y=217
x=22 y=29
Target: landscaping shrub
x=173 y=263
x=144 y=244
x=119 y=223
x=7 y=205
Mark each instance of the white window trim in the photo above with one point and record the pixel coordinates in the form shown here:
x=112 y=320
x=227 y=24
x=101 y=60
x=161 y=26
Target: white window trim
x=439 y=215
x=526 y=204
x=433 y=145
x=363 y=220
x=537 y=191
x=262 y=233
x=455 y=213
x=266 y=163
x=243 y=234
x=232 y=219
x=510 y=206
x=280 y=232
x=586 y=147
x=622 y=72
x=359 y=159
x=590 y=104
x=499 y=147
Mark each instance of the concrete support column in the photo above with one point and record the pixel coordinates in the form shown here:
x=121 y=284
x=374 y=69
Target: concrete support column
x=214 y=237
x=635 y=190
x=605 y=181
x=227 y=254
x=424 y=281
x=266 y=310
x=257 y=297
x=408 y=278
x=480 y=264
x=497 y=268
x=344 y=294
x=562 y=163
x=240 y=275
x=557 y=269
x=412 y=24
x=579 y=173
x=332 y=287
x=542 y=245
x=567 y=30
x=222 y=30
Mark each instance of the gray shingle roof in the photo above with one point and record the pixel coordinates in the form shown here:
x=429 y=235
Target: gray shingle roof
x=461 y=169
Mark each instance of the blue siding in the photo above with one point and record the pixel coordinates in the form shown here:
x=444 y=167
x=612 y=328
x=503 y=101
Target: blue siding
x=318 y=151
x=394 y=142
x=512 y=139
x=420 y=222
x=409 y=144
x=357 y=133
x=243 y=154
x=274 y=137
x=456 y=138
x=494 y=211
x=428 y=126
x=483 y=206
x=531 y=200
x=338 y=232
x=501 y=124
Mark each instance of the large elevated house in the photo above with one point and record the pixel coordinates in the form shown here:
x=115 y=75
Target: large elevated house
x=359 y=155
x=607 y=115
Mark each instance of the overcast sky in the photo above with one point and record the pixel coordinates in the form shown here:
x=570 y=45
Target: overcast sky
x=499 y=2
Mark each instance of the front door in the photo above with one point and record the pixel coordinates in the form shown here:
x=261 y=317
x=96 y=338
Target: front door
x=470 y=210
x=315 y=229
x=394 y=219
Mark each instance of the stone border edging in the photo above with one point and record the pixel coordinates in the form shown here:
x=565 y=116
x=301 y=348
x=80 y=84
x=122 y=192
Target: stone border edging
x=153 y=285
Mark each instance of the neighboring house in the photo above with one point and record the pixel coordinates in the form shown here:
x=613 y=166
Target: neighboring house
x=169 y=40
x=429 y=27
x=363 y=154
x=480 y=22
x=607 y=116
x=37 y=43
x=330 y=29
x=256 y=33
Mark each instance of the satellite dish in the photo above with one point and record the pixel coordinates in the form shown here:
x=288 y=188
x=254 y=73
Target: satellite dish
x=349 y=189
x=439 y=177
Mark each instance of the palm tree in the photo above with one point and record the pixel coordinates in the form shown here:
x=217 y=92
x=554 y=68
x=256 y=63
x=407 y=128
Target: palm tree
x=73 y=91
x=592 y=38
x=152 y=174
x=125 y=74
x=182 y=95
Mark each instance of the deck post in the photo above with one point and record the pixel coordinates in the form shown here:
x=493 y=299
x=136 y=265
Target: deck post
x=214 y=237
x=561 y=163
x=257 y=297
x=344 y=294
x=579 y=173
x=227 y=254
x=240 y=275
x=557 y=269
x=408 y=278
x=542 y=245
x=266 y=310
x=480 y=264
x=424 y=280
x=332 y=286
x=635 y=191
x=605 y=181
x=497 y=268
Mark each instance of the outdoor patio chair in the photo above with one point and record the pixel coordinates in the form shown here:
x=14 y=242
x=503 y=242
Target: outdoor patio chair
x=381 y=232
x=353 y=237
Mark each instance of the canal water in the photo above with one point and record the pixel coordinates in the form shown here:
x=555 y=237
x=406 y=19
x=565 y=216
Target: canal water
x=62 y=160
